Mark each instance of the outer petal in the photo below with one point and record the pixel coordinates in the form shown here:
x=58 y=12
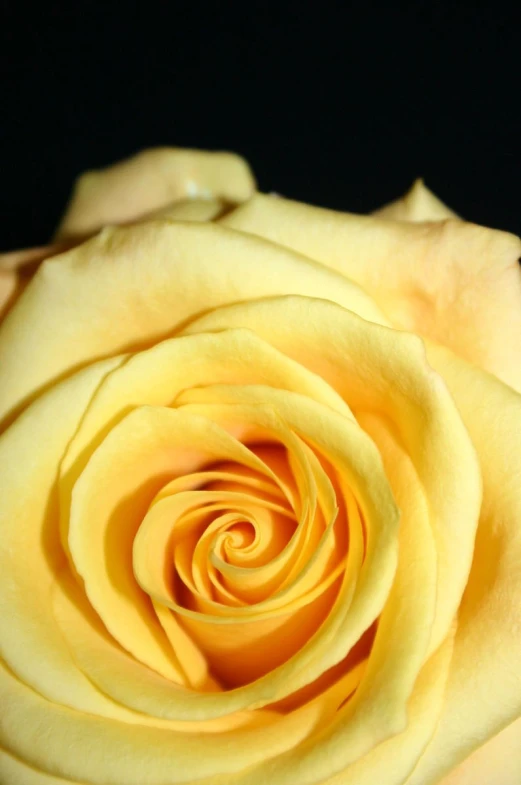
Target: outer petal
x=484 y=689
x=198 y=210
x=418 y=204
x=16 y=269
x=454 y=282
x=20 y=773
x=390 y=762
x=28 y=500
x=498 y=761
x=129 y=287
x=149 y=181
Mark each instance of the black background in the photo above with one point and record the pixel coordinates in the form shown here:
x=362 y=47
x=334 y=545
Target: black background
x=342 y=105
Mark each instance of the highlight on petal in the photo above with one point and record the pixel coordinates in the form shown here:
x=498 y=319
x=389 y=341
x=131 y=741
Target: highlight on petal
x=128 y=288
x=418 y=204
x=150 y=181
x=454 y=282
x=195 y=209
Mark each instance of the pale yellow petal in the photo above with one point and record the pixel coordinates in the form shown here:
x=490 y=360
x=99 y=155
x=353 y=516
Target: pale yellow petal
x=101 y=750
x=16 y=772
x=418 y=204
x=484 y=688
x=389 y=763
x=498 y=762
x=198 y=210
x=30 y=537
x=454 y=282
x=130 y=287
x=150 y=181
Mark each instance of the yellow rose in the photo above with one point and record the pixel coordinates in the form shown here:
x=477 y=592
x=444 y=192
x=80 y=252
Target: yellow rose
x=260 y=491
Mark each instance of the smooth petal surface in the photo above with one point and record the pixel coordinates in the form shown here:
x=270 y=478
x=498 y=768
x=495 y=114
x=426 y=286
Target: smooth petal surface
x=484 y=689
x=498 y=761
x=20 y=773
x=150 y=181
x=454 y=282
x=389 y=763
x=115 y=292
x=30 y=536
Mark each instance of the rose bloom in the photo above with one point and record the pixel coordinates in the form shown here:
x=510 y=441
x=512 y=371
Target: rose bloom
x=260 y=491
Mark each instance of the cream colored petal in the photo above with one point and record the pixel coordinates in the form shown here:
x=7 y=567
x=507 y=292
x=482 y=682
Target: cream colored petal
x=150 y=181
x=130 y=287
x=497 y=762
x=30 y=537
x=101 y=750
x=418 y=204
x=484 y=688
x=389 y=763
x=454 y=282
x=199 y=210
x=16 y=772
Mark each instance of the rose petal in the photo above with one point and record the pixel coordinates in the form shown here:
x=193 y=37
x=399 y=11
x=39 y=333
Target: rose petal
x=16 y=268
x=484 y=689
x=497 y=761
x=418 y=204
x=30 y=537
x=454 y=282
x=107 y=752
x=385 y=372
x=16 y=771
x=199 y=210
x=150 y=181
x=129 y=287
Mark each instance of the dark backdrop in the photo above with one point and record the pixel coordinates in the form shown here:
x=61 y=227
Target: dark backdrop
x=340 y=104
